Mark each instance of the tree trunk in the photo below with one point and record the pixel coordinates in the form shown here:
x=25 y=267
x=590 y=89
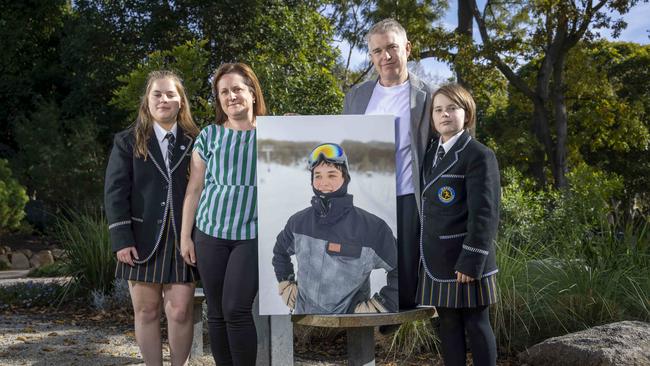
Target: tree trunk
x=559 y=109
x=465 y=22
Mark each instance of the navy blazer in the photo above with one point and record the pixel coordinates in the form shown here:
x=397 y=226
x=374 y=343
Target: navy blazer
x=460 y=211
x=141 y=195
x=356 y=102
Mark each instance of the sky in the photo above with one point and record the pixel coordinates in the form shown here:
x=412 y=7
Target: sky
x=636 y=31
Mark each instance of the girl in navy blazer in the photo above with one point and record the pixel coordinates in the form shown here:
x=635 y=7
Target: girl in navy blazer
x=146 y=178
x=460 y=216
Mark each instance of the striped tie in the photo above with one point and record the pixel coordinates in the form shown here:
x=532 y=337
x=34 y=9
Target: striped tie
x=439 y=155
x=171 y=140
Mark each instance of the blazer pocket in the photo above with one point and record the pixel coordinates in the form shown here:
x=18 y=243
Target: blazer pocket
x=137 y=219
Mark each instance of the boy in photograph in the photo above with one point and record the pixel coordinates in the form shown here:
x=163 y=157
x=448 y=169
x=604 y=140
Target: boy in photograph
x=337 y=246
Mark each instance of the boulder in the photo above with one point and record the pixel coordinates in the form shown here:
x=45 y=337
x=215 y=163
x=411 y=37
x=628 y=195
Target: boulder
x=42 y=258
x=2 y=250
x=28 y=253
x=58 y=254
x=5 y=260
x=620 y=344
x=19 y=261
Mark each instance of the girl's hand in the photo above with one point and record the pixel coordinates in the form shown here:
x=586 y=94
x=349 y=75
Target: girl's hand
x=463 y=278
x=187 y=251
x=126 y=255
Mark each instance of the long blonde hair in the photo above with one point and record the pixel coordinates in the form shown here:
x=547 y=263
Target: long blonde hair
x=143 y=127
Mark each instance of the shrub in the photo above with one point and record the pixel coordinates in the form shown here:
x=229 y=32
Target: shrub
x=56 y=269
x=12 y=199
x=29 y=294
x=84 y=237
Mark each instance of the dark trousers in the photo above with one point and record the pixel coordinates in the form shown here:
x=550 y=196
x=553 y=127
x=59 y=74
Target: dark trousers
x=408 y=249
x=476 y=321
x=228 y=270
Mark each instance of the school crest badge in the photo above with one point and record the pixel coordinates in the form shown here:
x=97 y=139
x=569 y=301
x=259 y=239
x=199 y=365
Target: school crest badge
x=446 y=194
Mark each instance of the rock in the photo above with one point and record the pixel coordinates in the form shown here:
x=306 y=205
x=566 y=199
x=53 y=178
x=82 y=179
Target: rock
x=28 y=253
x=620 y=344
x=59 y=254
x=2 y=250
x=42 y=258
x=5 y=259
x=7 y=249
x=19 y=261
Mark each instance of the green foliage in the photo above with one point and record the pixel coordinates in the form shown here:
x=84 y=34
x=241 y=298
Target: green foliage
x=84 y=237
x=293 y=59
x=189 y=60
x=29 y=294
x=12 y=199
x=56 y=269
x=60 y=159
x=413 y=338
x=4 y=266
x=568 y=261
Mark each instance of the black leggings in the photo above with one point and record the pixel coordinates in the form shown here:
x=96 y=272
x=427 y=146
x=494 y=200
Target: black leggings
x=228 y=270
x=476 y=321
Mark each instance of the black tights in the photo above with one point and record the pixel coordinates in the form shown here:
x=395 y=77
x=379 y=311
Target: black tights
x=476 y=321
x=228 y=270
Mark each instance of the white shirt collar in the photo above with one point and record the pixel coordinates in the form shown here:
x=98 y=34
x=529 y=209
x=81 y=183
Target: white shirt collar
x=161 y=132
x=450 y=143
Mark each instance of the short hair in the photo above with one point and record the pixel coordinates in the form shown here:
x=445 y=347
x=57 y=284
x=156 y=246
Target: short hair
x=385 y=26
x=250 y=79
x=463 y=99
x=340 y=167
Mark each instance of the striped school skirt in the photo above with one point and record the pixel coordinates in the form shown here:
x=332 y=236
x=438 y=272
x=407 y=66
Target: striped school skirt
x=165 y=266
x=480 y=292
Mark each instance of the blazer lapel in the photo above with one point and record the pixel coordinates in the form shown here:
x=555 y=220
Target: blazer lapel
x=181 y=149
x=155 y=155
x=363 y=98
x=450 y=158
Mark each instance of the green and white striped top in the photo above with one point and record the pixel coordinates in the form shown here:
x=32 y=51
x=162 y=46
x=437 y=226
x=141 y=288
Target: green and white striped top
x=228 y=203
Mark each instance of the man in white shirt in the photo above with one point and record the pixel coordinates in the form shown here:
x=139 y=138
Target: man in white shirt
x=401 y=94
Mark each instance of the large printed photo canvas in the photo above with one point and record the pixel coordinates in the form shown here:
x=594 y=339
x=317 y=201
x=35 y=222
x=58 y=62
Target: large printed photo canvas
x=340 y=261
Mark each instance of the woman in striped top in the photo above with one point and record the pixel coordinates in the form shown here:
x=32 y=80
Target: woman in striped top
x=219 y=232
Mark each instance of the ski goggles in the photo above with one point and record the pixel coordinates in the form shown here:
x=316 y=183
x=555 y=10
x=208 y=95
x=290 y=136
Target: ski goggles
x=329 y=152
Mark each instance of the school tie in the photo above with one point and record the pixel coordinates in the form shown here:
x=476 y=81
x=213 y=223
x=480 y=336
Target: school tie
x=171 y=140
x=439 y=155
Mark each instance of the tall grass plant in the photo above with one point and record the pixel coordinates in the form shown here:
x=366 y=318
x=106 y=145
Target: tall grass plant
x=84 y=237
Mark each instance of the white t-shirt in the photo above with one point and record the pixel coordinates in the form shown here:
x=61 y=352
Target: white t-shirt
x=395 y=100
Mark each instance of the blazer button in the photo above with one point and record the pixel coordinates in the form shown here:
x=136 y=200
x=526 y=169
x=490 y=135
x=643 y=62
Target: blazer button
x=162 y=203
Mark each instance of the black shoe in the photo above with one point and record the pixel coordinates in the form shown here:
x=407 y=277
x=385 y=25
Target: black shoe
x=388 y=329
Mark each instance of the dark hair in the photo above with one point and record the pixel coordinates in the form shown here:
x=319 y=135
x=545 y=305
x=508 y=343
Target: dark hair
x=250 y=79
x=340 y=167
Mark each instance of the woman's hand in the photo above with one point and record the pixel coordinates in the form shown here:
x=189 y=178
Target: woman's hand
x=463 y=278
x=126 y=255
x=187 y=251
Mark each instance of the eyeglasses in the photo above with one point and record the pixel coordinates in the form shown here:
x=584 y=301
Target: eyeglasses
x=449 y=109
x=328 y=152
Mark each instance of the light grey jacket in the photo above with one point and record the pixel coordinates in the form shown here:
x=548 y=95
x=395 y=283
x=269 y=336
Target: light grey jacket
x=356 y=102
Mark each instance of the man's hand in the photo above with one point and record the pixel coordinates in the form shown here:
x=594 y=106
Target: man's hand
x=370 y=306
x=289 y=291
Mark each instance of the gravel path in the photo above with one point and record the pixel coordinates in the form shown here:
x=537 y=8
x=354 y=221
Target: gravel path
x=41 y=340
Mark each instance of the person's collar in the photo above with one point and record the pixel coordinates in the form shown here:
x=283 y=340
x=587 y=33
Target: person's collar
x=450 y=143
x=161 y=132
x=402 y=85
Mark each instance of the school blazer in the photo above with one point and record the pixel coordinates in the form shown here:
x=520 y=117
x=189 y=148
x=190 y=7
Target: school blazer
x=140 y=195
x=356 y=102
x=460 y=211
